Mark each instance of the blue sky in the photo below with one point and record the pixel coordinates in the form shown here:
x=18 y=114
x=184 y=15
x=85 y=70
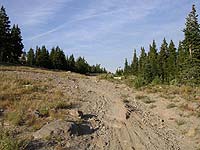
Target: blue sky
x=103 y=31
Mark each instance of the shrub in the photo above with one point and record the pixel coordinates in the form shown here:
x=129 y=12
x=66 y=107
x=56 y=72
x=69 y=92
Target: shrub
x=7 y=142
x=44 y=112
x=156 y=81
x=15 y=117
x=171 y=105
x=139 y=82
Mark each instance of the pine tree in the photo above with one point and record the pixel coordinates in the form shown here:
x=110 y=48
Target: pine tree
x=82 y=66
x=192 y=34
x=4 y=36
x=71 y=63
x=142 y=61
x=38 y=58
x=153 y=59
x=44 y=60
x=163 y=56
x=126 y=67
x=31 y=57
x=171 y=61
x=191 y=67
x=16 y=44
x=148 y=71
x=134 y=65
x=58 y=59
x=181 y=55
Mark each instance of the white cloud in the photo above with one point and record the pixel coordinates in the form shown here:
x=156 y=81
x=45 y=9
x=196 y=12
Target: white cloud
x=114 y=13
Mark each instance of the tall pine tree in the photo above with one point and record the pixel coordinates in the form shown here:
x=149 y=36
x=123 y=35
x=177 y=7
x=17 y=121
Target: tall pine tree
x=191 y=68
x=171 y=61
x=163 y=56
x=4 y=36
x=16 y=44
x=31 y=57
x=134 y=65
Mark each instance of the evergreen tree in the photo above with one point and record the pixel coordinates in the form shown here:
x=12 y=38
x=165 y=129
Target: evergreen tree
x=148 y=71
x=181 y=55
x=16 y=44
x=163 y=56
x=153 y=59
x=38 y=57
x=31 y=57
x=142 y=61
x=171 y=61
x=58 y=59
x=191 y=67
x=71 y=63
x=4 y=36
x=192 y=34
x=82 y=66
x=126 y=67
x=44 y=58
x=134 y=65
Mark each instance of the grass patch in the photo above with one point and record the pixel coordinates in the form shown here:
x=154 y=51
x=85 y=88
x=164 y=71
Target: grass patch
x=7 y=142
x=145 y=99
x=171 y=105
x=152 y=106
x=180 y=122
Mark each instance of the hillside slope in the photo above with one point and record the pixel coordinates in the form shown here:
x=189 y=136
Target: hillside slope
x=63 y=110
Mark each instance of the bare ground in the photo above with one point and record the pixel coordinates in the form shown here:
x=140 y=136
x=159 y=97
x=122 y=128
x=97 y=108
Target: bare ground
x=113 y=118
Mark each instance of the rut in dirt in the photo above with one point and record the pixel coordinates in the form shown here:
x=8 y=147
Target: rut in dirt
x=126 y=124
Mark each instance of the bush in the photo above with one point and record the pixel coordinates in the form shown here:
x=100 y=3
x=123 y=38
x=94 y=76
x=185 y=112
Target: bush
x=156 y=81
x=44 y=112
x=7 y=142
x=15 y=117
x=139 y=82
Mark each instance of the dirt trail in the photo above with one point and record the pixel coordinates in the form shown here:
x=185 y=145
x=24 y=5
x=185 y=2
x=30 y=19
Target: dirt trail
x=125 y=123
x=120 y=121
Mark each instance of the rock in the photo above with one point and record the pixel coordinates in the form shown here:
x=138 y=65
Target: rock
x=57 y=127
x=74 y=113
x=1 y=111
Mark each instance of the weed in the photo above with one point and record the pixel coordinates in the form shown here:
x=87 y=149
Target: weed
x=152 y=106
x=145 y=99
x=180 y=122
x=171 y=105
x=7 y=142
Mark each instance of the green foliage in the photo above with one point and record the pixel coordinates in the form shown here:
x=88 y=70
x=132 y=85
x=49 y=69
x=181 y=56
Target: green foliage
x=44 y=111
x=82 y=66
x=139 y=82
x=16 y=118
x=169 y=65
x=16 y=44
x=31 y=57
x=156 y=81
x=10 y=39
x=7 y=142
x=127 y=68
x=134 y=65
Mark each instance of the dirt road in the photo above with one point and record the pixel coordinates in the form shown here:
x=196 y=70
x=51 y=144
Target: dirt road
x=124 y=123
x=112 y=119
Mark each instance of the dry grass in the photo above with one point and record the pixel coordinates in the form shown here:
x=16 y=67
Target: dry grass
x=144 y=99
x=21 y=96
x=169 y=91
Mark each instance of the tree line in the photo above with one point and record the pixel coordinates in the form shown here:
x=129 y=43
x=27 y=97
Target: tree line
x=11 y=51
x=11 y=45
x=169 y=64
x=56 y=59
